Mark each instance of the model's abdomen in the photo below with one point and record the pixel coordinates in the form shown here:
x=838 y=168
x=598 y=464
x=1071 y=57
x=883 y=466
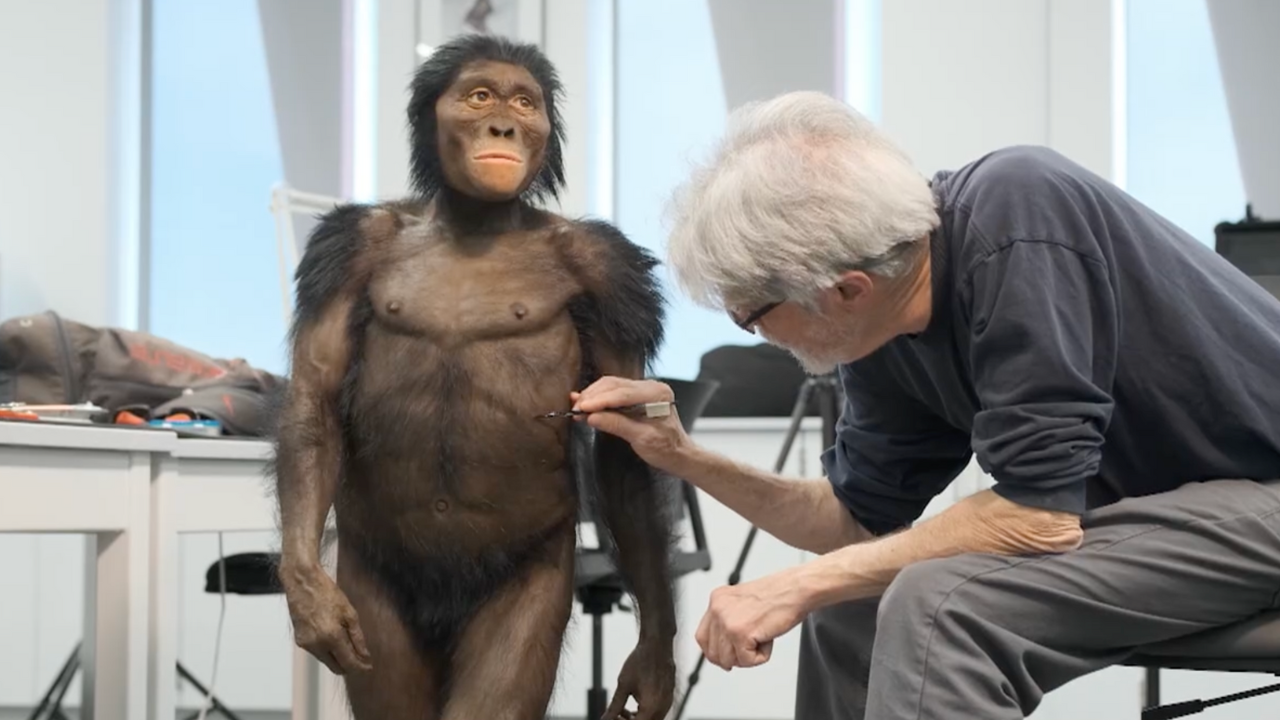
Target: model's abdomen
x=445 y=449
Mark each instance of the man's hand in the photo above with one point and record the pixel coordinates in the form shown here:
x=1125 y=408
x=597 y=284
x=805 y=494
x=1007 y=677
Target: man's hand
x=743 y=620
x=658 y=441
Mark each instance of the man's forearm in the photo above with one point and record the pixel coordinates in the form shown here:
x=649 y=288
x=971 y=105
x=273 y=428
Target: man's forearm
x=803 y=513
x=981 y=523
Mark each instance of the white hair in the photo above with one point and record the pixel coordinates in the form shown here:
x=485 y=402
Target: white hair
x=801 y=189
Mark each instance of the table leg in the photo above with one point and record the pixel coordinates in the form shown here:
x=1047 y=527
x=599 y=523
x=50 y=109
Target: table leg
x=114 y=655
x=163 y=656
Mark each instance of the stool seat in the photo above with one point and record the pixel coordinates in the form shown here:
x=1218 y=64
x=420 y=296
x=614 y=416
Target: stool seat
x=1251 y=645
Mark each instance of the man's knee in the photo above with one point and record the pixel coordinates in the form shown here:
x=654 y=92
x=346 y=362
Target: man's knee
x=922 y=590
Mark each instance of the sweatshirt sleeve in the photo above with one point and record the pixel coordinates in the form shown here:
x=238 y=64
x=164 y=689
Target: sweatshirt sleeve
x=1043 y=354
x=891 y=455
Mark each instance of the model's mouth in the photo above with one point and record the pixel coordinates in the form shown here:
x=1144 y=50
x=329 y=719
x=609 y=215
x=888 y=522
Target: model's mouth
x=499 y=156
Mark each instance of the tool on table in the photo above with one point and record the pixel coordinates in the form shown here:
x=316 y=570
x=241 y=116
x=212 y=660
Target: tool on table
x=649 y=410
x=81 y=413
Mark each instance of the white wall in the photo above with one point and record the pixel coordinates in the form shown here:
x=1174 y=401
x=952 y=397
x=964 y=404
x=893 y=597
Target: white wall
x=962 y=79
x=1249 y=58
x=69 y=126
x=55 y=172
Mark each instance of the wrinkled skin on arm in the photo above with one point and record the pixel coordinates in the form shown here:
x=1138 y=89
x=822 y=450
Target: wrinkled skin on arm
x=309 y=438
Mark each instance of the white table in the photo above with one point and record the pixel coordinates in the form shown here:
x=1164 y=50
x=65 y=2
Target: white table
x=94 y=481
x=211 y=485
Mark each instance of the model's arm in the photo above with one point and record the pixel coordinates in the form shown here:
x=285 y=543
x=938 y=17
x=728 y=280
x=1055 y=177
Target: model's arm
x=308 y=457
x=620 y=319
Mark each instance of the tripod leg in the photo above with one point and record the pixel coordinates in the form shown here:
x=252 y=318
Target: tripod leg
x=597 y=696
x=797 y=417
x=48 y=701
x=216 y=706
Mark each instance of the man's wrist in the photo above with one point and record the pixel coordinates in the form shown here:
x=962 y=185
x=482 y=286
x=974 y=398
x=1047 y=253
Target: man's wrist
x=818 y=583
x=687 y=461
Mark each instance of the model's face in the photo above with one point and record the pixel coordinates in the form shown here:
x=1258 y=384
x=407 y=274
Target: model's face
x=493 y=130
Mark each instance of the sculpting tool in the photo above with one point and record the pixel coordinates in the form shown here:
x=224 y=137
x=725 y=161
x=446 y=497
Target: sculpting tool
x=649 y=410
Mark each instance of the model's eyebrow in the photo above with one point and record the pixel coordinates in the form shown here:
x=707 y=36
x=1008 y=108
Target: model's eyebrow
x=473 y=79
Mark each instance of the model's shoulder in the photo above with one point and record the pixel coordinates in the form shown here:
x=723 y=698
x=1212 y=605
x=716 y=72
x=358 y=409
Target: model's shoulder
x=595 y=230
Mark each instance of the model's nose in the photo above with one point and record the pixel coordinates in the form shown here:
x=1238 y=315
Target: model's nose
x=502 y=129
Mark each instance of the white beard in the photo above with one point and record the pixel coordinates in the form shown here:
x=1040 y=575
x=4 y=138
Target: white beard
x=820 y=353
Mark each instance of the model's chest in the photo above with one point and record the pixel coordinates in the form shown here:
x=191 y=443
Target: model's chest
x=442 y=286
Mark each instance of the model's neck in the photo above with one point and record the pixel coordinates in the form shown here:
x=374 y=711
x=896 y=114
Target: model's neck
x=470 y=215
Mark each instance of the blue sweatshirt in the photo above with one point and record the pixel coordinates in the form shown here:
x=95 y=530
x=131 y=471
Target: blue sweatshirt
x=1084 y=348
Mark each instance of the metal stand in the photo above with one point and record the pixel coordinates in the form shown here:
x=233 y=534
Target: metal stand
x=50 y=707
x=597 y=600
x=826 y=389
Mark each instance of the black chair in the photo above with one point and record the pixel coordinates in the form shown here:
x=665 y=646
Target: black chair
x=599 y=587
x=1251 y=646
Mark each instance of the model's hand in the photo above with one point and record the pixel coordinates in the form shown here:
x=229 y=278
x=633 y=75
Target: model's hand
x=657 y=441
x=648 y=675
x=324 y=622
x=743 y=620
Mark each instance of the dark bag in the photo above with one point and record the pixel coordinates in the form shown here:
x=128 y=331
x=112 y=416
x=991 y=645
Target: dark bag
x=49 y=359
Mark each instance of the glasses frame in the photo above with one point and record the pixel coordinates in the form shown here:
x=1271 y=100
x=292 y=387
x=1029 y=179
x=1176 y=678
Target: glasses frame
x=749 y=322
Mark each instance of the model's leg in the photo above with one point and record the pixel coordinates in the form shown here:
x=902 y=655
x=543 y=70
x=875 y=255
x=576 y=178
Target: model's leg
x=402 y=684
x=835 y=661
x=506 y=661
x=985 y=636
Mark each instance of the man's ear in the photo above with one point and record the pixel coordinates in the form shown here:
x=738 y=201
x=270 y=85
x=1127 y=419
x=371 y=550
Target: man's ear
x=853 y=288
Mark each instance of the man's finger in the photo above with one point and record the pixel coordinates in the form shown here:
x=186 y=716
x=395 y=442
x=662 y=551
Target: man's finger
x=608 y=382
x=616 y=424
x=701 y=635
x=624 y=392
x=750 y=654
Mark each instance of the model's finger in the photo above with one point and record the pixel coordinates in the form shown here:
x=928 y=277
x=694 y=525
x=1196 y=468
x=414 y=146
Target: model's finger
x=617 y=705
x=329 y=661
x=356 y=634
x=346 y=656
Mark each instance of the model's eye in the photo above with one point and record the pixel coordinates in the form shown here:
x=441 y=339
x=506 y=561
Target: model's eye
x=480 y=96
x=524 y=103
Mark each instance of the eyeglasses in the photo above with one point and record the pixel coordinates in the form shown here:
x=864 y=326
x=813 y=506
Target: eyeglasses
x=749 y=322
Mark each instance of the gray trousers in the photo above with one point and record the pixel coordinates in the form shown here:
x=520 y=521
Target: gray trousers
x=984 y=636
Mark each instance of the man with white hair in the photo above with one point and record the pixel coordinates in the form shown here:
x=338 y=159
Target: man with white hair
x=1114 y=376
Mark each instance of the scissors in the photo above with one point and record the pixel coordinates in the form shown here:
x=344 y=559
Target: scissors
x=649 y=410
